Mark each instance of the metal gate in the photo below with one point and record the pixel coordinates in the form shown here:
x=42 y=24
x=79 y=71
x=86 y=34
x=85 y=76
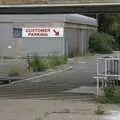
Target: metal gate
x=108 y=71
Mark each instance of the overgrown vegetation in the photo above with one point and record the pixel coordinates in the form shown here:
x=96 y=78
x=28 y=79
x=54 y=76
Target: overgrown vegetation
x=100 y=110
x=55 y=61
x=108 y=37
x=110 y=24
x=38 y=64
x=101 y=43
x=16 y=71
x=110 y=95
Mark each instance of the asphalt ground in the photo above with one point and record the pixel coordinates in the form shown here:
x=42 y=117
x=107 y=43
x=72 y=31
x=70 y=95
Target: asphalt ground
x=53 y=86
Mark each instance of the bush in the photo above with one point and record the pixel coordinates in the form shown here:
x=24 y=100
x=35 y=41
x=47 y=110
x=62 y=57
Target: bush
x=101 y=43
x=111 y=95
x=37 y=64
x=40 y=64
x=55 y=61
x=15 y=72
x=109 y=92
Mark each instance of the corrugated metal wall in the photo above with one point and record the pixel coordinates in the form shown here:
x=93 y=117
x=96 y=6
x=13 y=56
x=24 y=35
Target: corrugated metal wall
x=84 y=41
x=71 y=40
x=42 y=46
x=77 y=40
x=6 y=39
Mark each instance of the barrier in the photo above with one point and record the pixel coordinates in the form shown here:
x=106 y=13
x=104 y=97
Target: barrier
x=108 y=71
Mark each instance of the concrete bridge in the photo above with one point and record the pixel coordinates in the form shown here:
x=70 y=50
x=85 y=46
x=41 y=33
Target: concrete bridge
x=80 y=1
x=60 y=8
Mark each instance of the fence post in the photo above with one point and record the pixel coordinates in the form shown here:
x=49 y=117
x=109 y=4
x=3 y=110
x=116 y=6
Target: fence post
x=97 y=77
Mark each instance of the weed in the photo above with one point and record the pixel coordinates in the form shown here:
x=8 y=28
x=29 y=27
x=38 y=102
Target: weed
x=40 y=64
x=37 y=64
x=110 y=95
x=100 y=110
x=16 y=71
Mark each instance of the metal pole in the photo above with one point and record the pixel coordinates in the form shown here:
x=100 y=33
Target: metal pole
x=105 y=70
x=97 y=77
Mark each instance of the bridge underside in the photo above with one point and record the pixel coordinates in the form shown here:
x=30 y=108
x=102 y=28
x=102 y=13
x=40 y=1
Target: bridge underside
x=60 y=8
x=56 y=1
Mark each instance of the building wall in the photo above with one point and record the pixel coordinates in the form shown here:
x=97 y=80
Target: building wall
x=6 y=39
x=71 y=41
x=42 y=46
x=77 y=38
x=22 y=46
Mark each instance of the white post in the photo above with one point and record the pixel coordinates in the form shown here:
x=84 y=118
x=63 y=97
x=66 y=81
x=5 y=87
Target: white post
x=105 y=70
x=102 y=64
x=97 y=77
x=97 y=86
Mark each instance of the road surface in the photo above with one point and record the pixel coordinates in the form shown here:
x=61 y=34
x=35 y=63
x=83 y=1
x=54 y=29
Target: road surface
x=54 y=86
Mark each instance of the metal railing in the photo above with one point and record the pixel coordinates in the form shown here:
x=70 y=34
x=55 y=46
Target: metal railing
x=108 y=71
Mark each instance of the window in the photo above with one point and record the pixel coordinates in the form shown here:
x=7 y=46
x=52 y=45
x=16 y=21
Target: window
x=17 y=32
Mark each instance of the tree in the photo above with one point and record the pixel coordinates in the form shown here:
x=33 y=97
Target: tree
x=110 y=24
